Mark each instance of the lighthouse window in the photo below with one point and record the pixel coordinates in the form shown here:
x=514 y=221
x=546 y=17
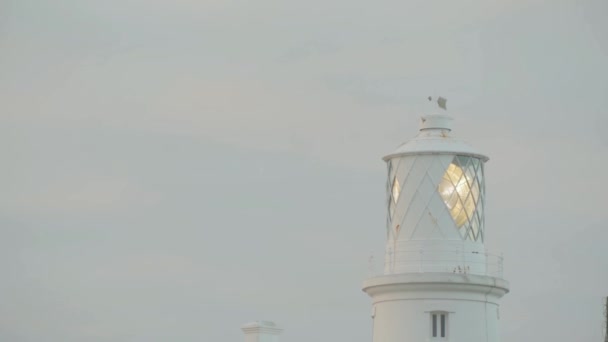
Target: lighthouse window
x=439 y=324
x=396 y=190
x=461 y=189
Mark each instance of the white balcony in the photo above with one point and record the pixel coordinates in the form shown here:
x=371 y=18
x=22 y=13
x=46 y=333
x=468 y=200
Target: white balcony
x=458 y=260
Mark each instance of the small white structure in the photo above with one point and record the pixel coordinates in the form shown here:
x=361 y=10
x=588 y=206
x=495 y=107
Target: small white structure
x=439 y=282
x=261 y=331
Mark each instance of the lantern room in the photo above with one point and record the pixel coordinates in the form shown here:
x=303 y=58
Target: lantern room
x=435 y=202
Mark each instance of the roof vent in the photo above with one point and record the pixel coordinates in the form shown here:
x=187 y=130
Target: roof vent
x=435 y=122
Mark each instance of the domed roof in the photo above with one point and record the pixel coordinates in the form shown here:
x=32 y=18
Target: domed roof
x=434 y=138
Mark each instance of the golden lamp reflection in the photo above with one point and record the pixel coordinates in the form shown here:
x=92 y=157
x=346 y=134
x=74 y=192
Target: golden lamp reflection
x=460 y=192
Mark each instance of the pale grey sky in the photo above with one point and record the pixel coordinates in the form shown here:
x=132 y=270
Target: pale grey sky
x=173 y=169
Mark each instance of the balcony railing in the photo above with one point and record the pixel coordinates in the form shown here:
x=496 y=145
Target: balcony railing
x=438 y=260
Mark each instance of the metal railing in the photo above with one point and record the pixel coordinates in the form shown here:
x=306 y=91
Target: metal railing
x=438 y=260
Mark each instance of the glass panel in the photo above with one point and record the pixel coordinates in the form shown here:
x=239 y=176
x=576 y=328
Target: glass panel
x=459 y=214
x=475 y=191
x=475 y=163
x=434 y=325
x=481 y=201
x=469 y=206
x=454 y=173
x=456 y=162
x=475 y=227
x=470 y=174
x=471 y=236
x=457 y=211
x=462 y=191
x=396 y=190
x=461 y=161
x=447 y=191
x=452 y=201
x=443 y=325
x=480 y=175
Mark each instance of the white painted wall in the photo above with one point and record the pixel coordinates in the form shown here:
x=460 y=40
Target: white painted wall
x=402 y=306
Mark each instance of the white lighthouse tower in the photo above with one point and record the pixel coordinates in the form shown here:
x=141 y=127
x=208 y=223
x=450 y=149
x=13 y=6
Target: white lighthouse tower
x=439 y=282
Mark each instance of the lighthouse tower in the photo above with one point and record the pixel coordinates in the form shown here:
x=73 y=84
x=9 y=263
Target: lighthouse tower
x=439 y=282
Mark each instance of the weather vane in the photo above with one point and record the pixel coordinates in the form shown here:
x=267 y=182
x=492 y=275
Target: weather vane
x=441 y=102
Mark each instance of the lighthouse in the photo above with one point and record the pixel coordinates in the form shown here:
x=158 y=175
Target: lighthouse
x=439 y=282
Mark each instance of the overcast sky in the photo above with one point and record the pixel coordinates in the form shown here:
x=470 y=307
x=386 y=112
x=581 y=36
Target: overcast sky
x=174 y=169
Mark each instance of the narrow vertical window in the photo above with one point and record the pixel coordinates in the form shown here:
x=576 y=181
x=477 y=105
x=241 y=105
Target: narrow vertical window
x=439 y=325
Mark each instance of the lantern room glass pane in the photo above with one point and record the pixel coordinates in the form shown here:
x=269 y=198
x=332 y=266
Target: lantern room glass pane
x=475 y=227
x=461 y=189
x=396 y=190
